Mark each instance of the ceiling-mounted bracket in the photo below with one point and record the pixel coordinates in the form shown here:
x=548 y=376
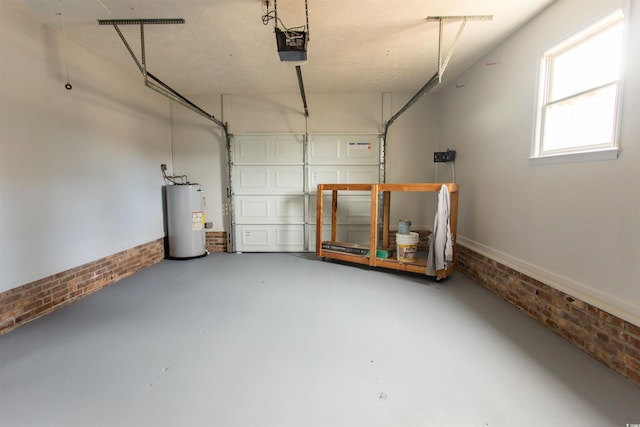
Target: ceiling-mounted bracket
x=442 y=64
x=142 y=66
x=141 y=21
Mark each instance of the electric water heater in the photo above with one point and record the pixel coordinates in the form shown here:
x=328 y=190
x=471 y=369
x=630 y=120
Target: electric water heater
x=185 y=221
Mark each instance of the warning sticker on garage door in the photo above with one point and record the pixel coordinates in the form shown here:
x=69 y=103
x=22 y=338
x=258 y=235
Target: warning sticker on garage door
x=359 y=145
x=197 y=221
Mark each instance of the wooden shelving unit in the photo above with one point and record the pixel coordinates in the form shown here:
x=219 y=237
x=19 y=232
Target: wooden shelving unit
x=418 y=266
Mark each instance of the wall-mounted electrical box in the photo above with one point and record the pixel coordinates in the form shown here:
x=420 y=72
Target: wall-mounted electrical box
x=444 y=156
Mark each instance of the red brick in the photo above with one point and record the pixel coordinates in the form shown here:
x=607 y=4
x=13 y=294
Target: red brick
x=605 y=337
x=633 y=375
x=33 y=299
x=632 y=329
x=632 y=351
x=630 y=339
x=43 y=308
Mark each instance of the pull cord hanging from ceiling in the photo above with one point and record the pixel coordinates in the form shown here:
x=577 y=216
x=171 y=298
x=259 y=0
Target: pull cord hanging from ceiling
x=67 y=85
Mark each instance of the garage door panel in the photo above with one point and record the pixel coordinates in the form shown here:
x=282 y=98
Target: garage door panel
x=323 y=151
x=253 y=236
x=251 y=151
x=290 y=237
x=342 y=174
x=361 y=176
x=351 y=209
x=268 y=179
x=289 y=180
x=271 y=184
x=250 y=208
x=269 y=209
x=344 y=149
x=289 y=149
x=268 y=149
x=362 y=151
x=252 y=179
x=269 y=238
x=291 y=209
x=322 y=175
x=355 y=211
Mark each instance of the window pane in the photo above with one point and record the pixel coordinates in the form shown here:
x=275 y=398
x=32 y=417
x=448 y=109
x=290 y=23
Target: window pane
x=592 y=63
x=584 y=121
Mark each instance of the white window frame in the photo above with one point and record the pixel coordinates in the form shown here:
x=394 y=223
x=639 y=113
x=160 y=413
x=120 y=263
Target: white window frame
x=609 y=150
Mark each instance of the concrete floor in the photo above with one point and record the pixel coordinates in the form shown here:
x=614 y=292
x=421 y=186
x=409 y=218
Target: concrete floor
x=290 y=340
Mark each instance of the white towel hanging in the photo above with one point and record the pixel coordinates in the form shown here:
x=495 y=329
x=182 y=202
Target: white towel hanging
x=441 y=241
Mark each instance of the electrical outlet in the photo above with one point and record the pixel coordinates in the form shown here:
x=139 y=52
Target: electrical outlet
x=444 y=156
x=163 y=167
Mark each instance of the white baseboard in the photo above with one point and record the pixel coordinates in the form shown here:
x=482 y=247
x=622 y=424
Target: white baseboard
x=626 y=310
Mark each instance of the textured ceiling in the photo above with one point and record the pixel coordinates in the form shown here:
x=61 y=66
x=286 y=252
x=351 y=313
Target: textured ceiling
x=355 y=46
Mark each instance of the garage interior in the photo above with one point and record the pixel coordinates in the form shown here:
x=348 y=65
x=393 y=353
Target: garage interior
x=539 y=324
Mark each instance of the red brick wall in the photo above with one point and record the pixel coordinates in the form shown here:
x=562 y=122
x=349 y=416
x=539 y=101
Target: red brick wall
x=609 y=339
x=216 y=241
x=28 y=302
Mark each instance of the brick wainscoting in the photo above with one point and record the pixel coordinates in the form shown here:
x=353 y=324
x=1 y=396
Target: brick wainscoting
x=28 y=302
x=216 y=241
x=609 y=339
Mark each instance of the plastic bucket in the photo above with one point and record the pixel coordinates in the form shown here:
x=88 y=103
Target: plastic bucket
x=407 y=246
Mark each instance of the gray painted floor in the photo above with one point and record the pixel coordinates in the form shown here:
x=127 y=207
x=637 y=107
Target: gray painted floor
x=290 y=340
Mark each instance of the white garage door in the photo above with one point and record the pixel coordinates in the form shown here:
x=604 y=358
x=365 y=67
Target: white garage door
x=273 y=189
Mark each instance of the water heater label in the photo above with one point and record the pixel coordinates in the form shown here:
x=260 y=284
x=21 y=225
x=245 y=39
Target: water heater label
x=197 y=221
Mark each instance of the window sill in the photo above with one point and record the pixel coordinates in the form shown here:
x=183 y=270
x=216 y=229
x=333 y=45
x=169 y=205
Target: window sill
x=587 y=156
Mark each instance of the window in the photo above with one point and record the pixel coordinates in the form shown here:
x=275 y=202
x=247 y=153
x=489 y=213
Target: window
x=579 y=89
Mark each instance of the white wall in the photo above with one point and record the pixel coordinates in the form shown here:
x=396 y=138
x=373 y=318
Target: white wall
x=572 y=225
x=79 y=170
